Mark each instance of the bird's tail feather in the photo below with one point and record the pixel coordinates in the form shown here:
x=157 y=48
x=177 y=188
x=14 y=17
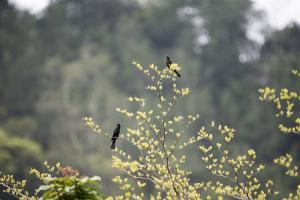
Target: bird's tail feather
x=113 y=144
x=177 y=73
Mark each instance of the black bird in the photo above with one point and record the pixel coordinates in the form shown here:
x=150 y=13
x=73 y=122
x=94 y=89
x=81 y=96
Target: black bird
x=169 y=63
x=115 y=136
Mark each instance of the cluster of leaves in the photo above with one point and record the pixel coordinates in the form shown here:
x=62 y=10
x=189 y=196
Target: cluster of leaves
x=14 y=187
x=285 y=102
x=238 y=174
x=59 y=183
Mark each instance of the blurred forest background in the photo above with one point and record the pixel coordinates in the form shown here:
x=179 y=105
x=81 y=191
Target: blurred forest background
x=74 y=60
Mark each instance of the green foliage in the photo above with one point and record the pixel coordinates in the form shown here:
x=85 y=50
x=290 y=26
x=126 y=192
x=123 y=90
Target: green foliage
x=71 y=188
x=59 y=183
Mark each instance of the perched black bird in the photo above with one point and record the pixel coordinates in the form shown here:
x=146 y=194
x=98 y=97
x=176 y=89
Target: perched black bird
x=169 y=63
x=115 y=136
